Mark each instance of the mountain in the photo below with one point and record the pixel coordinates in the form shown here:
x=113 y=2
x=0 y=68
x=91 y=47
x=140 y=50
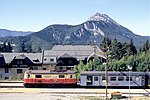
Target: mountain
x=95 y=28
x=5 y=33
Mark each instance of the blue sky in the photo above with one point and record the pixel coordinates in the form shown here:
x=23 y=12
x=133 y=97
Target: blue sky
x=34 y=15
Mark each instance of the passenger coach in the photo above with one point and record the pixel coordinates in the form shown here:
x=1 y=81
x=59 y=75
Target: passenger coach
x=97 y=78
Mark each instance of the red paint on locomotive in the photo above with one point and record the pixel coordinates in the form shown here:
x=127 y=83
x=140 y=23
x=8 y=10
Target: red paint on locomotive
x=42 y=77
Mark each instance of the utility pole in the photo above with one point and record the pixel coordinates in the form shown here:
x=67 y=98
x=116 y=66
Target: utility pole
x=106 y=75
x=130 y=68
x=94 y=54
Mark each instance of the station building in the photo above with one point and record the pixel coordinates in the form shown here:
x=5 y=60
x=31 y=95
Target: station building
x=59 y=58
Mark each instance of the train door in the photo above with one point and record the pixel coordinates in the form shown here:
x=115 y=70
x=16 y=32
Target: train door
x=89 y=80
x=143 y=81
x=147 y=81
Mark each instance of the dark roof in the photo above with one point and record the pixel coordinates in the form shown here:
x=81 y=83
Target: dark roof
x=77 y=51
x=32 y=56
x=48 y=72
x=117 y=73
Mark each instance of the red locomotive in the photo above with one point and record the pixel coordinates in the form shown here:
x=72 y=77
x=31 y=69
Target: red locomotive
x=36 y=78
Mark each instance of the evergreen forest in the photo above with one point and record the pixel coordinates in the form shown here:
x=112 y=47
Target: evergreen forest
x=119 y=56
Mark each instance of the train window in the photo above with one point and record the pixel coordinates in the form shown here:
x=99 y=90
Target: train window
x=112 y=78
x=103 y=78
x=127 y=78
x=28 y=75
x=70 y=76
x=96 y=78
x=61 y=76
x=143 y=77
x=38 y=76
x=120 y=78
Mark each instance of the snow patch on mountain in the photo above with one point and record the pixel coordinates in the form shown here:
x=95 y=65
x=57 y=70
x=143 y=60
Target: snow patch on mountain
x=102 y=17
x=94 y=29
x=67 y=37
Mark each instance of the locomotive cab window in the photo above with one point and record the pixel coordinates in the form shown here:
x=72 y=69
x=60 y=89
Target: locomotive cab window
x=61 y=76
x=28 y=75
x=38 y=76
x=70 y=76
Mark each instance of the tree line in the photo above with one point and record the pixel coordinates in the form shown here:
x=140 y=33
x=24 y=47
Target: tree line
x=5 y=47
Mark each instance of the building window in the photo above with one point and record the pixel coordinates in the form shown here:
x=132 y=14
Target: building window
x=6 y=70
x=19 y=62
x=6 y=78
x=38 y=76
x=60 y=62
x=23 y=66
x=37 y=60
x=60 y=68
x=120 y=78
x=96 y=78
x=51 y=60
x=70 y=61
x=112 y=78
x=14 y=66
x=30 y=68
x=35 y=68
x=19 y=71
x=44 y=68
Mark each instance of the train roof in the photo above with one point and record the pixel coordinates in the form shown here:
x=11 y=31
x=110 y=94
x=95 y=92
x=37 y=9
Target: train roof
x=48 y=72
x=124 y=73
x=147 y=73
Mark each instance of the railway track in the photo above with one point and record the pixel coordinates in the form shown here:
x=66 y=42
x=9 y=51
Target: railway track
x=14 y=84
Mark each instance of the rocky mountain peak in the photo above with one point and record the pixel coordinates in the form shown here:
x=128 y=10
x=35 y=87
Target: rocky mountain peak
x=102 y=17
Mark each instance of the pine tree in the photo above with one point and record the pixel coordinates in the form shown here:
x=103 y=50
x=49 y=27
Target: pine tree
x=146 y=46
x=9 y=47
x=4 y=47
x=115 y=49
x=105 y=45
x=131 y=48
